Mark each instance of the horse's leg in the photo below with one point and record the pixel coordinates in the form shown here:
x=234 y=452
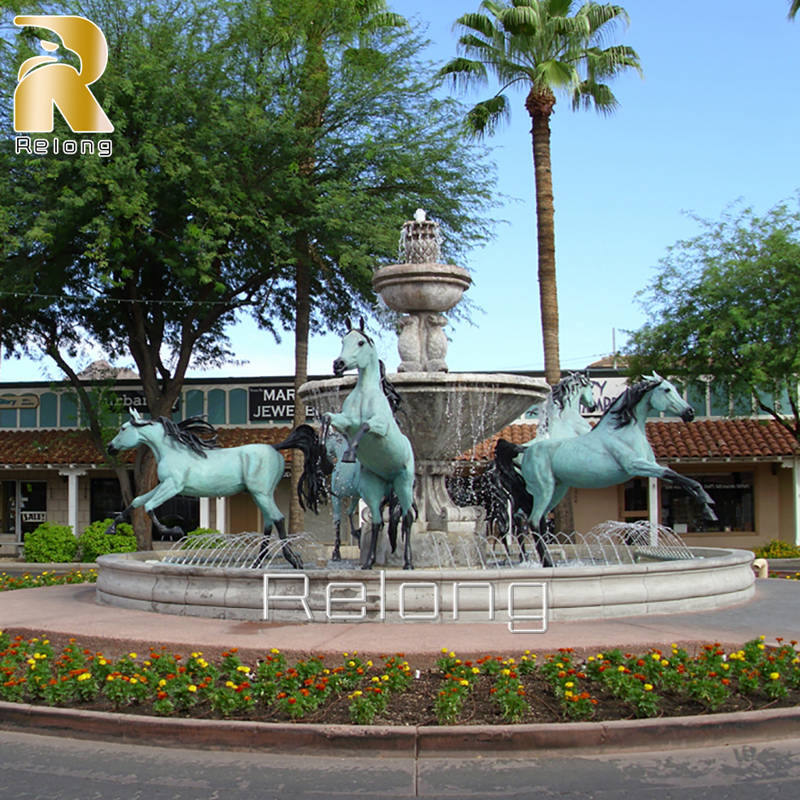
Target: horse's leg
x=349 y=455
x=289 y=554
x=163 y=529
x=651 y=469
x=404 y=489
x=272 y=516
x=373 y=489
x=355 y=530
x=337 y=527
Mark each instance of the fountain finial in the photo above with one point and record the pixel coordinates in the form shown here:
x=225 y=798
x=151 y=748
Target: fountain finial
x=420 y=240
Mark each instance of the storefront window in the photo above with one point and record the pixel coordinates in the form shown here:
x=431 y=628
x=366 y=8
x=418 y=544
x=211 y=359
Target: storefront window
x=733 y=504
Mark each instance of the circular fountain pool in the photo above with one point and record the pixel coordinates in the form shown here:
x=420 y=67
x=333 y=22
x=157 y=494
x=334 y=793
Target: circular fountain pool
x=525 y=596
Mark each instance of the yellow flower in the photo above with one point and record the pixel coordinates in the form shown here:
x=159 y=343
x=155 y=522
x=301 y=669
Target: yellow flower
x=369 y=663
x=773 y=676
x=191 y=687
x=274 y=651
x=476 y=671
x=356 y=693
x=241 y=668
x=131 y=655
x=725 y=666
x=761 y=647
x=463 y=682
x=664 y=662
x=375 y=679
x=230 y=684
x=162 y=683
x=591 y=658
x=568 y=693
x=133 y=680
x=569 y=684
x=620 y=668
x=648 y=687
x=84 y=676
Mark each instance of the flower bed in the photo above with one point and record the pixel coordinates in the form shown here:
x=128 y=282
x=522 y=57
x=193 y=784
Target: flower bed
x=557 y=687
x=46 y=578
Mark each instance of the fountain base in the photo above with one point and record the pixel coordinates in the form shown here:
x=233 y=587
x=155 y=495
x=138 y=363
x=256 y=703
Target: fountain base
x=525 y=597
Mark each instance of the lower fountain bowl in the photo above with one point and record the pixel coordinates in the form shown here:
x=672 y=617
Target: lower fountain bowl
x=524 y=597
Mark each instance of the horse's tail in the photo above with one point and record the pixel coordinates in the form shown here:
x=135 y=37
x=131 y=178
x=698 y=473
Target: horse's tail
x=504 y=454
x=311 y=489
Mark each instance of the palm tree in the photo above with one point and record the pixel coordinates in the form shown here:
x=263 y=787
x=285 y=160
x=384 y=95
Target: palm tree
x=794 y=7
x=546 y=46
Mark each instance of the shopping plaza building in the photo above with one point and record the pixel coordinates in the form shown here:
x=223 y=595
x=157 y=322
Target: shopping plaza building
x=50 y=470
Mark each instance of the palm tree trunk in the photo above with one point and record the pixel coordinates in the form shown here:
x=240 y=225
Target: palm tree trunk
x=540 y=107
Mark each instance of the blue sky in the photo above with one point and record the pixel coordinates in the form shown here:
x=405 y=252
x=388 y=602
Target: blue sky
x=716 y=118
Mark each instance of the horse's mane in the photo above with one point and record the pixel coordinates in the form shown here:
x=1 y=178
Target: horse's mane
x=566 y=386
x=622 y=408
x=392 y=395
x=187 y=432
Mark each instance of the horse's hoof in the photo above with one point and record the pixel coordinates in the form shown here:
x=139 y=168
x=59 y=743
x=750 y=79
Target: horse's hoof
x=408 y=565
x=368 y=565
x=349 y=457
x=336 y=556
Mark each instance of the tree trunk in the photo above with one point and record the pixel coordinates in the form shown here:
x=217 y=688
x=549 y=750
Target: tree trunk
x=540 y=107
x=302 y=331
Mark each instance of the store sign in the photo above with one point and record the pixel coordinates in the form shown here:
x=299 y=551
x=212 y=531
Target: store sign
x=137 y=400
x=11 y=401
x=272 y=404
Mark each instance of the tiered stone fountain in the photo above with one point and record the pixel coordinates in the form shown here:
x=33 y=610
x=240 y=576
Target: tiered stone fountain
x=451 y=412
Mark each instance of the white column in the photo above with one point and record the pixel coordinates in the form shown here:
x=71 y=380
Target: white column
x=72 y=496
x=796 y=475
x=652 y=506
x=205 y=512
x=222 y=514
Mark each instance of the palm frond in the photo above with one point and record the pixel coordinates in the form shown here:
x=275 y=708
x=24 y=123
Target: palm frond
x=479 y=23
x=484 y=117
x=464 y=71
x=794 y=8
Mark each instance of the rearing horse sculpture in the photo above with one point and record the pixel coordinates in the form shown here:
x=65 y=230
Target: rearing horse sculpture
x=382 y=450
x=615 y=450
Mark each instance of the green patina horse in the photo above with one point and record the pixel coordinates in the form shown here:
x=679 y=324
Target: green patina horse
x=383 y=452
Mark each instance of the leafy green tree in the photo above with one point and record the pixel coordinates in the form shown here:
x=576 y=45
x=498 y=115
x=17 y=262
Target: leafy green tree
x=726 y=303
x=154 y=250
x=545 y=47
x=373 y=144
x=255 y=166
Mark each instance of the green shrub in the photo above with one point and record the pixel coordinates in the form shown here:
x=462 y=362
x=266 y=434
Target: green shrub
x=777 y=549
x=94 y=541
x=203 y=536
x=50 y=543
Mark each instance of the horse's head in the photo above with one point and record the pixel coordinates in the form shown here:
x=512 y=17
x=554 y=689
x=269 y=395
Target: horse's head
x=129 y=435
x=585 y=391
x=665 y=397
x=358 y=350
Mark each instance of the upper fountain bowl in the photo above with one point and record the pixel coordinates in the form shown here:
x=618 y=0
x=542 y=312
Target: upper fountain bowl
x=451 y=412
x=421 y=287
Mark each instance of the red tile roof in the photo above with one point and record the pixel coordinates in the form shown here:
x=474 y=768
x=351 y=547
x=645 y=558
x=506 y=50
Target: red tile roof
x=75 y=446
x=671 y=440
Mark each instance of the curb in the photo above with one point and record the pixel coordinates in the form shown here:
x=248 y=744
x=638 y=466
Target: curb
x=410 y=742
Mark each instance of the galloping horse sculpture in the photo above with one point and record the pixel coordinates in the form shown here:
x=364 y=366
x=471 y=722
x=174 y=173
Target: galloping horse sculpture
x=615 y=450
x=560 y=419
x=344 y=491
x=383 y=451
x=190 y=465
